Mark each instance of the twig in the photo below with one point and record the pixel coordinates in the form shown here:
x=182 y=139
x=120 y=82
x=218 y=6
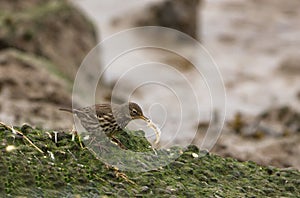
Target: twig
x=119 y=174
x=20 y=133
x=72 y=154
x=55 y=136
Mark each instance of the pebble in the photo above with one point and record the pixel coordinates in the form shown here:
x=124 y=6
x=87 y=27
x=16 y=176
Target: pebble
x=195 y=155
x=145 y=189
x=171 y=189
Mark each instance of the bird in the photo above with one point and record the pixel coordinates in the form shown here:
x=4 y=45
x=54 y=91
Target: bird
x=110 y=118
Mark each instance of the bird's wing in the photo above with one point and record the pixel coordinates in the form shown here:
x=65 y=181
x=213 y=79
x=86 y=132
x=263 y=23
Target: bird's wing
x=103 y=109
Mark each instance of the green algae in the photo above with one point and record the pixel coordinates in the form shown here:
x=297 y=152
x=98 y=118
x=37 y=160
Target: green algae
x=65 y=169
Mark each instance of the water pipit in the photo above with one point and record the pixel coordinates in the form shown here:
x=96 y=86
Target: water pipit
x=110 y=118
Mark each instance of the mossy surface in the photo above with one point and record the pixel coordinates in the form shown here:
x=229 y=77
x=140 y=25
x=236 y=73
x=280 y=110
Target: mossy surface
x=40 y=28
x=65 y=169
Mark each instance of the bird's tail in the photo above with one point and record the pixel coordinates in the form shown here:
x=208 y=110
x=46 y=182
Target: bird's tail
x=66 y=109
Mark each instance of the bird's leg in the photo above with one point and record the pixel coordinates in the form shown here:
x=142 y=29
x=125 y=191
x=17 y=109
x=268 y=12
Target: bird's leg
x=74 y=134
x=120 y=144
x=80 y=142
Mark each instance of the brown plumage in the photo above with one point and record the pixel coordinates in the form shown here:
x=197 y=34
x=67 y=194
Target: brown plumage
x=109 y=118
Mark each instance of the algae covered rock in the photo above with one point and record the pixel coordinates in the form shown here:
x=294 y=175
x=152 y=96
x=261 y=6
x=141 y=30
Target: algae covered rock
x=42 y=44
x=270 y=138
x=32 y=91
x=65 y=169
x=52 y=29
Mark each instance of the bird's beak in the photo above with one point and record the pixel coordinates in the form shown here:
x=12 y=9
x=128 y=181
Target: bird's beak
x=144 y=118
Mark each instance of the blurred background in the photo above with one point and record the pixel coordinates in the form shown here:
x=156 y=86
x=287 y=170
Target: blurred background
x=255 y=43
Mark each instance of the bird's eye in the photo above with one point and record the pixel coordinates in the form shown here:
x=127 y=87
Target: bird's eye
x=134 y=111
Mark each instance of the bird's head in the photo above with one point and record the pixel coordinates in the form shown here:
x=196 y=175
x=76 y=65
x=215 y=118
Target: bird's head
x=136 y=112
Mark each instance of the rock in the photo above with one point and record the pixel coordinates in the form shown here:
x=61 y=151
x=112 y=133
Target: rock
x=171 y=189
x=290 y=64
x=284 y=117
x=31 y=91
x=273 y=133
x=51 y=29
x=145 y=189
x=177 y=14
x=23 y=173
x=181 y=15
x=42 y=43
